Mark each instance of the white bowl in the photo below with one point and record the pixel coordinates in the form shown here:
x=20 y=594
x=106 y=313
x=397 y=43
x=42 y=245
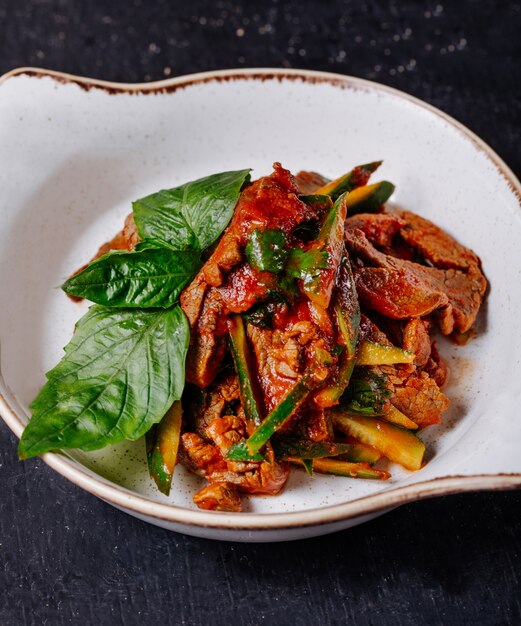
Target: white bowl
x=75 y=152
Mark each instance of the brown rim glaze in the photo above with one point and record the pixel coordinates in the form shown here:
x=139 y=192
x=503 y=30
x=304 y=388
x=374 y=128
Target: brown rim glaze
x=132 y=502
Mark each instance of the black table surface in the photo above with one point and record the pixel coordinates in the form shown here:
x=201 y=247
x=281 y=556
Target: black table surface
x=66 y=557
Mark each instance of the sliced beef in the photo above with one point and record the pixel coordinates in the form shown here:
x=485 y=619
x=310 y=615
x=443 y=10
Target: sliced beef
x=416 y=339
x=213 y=402
x=208 y=340
x=301 y=336
x=317 y=424
x=379 y=228
x=421 y=400
x=268 y=478
x=219 y=497
x=434 y=244
x=436 y=367
x=225 y=283
x=370 y=331
x=309 y=182
x=398 y=294
x=206 y=459
x=200 y=456
x=270 y=202
x=457 y=293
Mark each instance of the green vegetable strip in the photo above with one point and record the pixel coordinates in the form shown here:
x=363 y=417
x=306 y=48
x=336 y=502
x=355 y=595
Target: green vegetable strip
x=361 y=453
x=371 y=353
x=357 y=177
x=239 y=452
x=162 y=446
x=280 y=414
x=369 y=198
x=343 y=468
x=318 y=286
x=396 y=443
x=242 y=358
x=308 y=465
x=347 y=315
x=287 y=447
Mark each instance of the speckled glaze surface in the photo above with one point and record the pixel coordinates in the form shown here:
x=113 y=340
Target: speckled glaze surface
x=76 y=152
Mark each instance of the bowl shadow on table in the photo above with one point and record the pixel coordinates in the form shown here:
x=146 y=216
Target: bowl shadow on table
x=47 y=221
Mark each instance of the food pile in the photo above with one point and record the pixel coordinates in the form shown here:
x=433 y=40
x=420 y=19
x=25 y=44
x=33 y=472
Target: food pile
x=301 y=335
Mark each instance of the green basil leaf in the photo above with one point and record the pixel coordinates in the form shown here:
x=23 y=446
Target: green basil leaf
x=148 y=278
x=147 y=244
x=192 y=215
x=120 y=374
x=304 y=264
x=265 y=250
x=367 y=392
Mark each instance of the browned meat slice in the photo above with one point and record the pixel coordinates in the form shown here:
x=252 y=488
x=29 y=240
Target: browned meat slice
x=207 y=309
x=279 y=362
x=205 y=455
x=421 y=400
x=221 y=287
x=436 y=367
x=462 y=291
x=270 y=202
x=126 y=239
x=318 y=426
x=218 y=497
x=244 y=287
x=200 y=456
x=379 y=228
x=206 y=459
x=370 y=331
x=266 y=478
x=416 y=339
x=398 y=294
x=213 y=402
x=226 y=430
x=283 y=354
x=208 y=341
x=309 y=182
x=438 y=247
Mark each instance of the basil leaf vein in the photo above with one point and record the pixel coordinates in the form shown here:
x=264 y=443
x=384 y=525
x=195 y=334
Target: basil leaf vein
x=153 y=277
x=120 y=374
x=192 y=215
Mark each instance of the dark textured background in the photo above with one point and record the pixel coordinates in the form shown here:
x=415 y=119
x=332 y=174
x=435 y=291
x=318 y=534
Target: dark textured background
x=66 y=557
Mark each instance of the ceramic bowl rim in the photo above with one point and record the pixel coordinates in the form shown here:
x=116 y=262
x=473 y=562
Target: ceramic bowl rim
x=367 y=505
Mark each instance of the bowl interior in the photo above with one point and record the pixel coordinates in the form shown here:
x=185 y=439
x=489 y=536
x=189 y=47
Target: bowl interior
x=73 y=160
